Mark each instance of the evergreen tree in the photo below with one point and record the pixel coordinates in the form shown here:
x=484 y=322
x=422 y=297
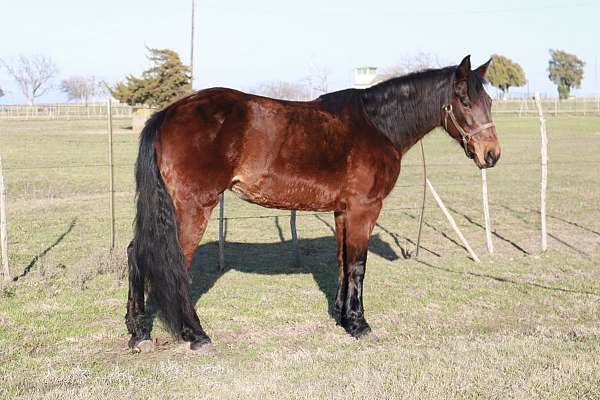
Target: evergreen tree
x=566 y=71
x=505 y=73
x=167 y=80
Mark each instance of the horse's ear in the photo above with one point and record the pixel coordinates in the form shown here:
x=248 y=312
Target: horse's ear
x=463 y=69
x=461 y=79
x=483 y=69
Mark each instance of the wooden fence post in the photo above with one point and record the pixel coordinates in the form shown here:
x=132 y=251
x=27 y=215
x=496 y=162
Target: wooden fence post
x=3 y=226
x=294 y=237
x=111 y=179
x=486 y=212
x=222 y=232
x=452 y=222
x=544 y=166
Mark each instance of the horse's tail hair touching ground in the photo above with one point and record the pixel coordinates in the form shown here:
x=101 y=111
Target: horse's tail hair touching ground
x=156 y=246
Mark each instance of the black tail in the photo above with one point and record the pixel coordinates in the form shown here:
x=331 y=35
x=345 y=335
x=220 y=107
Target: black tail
x=156 y=246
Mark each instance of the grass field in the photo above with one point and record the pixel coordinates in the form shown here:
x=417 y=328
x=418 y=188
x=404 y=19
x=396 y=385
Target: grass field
x=520 y=324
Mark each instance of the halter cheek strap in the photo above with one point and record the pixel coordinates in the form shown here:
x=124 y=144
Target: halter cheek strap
x=466 y=136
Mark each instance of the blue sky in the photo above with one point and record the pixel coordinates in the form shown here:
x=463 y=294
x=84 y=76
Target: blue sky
x=241 y=44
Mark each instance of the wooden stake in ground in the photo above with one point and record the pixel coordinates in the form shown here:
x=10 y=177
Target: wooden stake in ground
x=544 y=178
x=452 y=222
x=111 y=179
x=222 y=232
x=3 y=226
x=486 y=213
x=294 y=237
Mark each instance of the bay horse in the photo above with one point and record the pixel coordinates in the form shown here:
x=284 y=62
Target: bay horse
x=340 y=152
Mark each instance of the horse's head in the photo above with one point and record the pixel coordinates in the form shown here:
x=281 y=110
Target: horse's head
x=467 y=117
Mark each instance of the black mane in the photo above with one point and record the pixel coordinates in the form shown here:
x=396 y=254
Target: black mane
x=334 y=102
x=407 y=107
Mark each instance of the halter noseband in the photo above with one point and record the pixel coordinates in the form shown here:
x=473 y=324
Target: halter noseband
x=466 y=136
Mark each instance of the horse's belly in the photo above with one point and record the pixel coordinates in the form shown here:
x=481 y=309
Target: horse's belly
x=288 y=194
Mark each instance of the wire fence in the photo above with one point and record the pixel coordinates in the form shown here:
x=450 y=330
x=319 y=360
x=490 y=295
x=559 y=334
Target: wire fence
x=49 y=222
x=526 y=209
x=64 y=112
x=550 y=106
x=95 y=111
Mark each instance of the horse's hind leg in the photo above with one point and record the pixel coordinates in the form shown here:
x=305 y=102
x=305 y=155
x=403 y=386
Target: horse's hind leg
x=192 y=219
x=135 y=319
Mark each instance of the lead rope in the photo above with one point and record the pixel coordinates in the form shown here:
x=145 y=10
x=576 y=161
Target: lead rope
x=423 y=202
x=465 y=138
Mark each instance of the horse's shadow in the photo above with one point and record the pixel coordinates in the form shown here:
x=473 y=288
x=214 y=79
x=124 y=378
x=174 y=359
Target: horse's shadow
x=317 y=257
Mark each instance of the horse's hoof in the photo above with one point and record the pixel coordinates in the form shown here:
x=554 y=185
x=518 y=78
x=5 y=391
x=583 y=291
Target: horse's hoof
x=361 y=331
x=203 y=346
x=200 y=342
x=357 y=328
x=144 y=346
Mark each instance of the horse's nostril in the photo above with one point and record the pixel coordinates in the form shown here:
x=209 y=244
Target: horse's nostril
x=490 y=158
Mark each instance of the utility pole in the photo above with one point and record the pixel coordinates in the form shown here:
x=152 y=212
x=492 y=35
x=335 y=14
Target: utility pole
x=192 y=42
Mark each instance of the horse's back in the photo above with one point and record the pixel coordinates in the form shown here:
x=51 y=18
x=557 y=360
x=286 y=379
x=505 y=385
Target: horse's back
x=275 y=153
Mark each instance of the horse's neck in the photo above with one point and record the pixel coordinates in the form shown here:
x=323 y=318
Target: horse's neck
x=403 y=130
x=409 y=141
x=407 y=108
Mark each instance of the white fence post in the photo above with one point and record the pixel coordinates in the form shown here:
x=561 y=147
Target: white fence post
x=544 y=166
x=486 y=212
x=452 y=222
x=222 y=232
x=3 y=226
x=111 y=178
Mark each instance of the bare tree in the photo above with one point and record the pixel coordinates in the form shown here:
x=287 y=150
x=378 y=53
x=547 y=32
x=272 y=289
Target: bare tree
x=33 y=75
x=318 y=80
x=81 y=88
x=1 y=92
x=413 y=63
x=103 y=89
x=283 y=90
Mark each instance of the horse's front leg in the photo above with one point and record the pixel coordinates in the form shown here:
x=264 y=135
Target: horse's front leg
x=360 y=220
x=340 y=235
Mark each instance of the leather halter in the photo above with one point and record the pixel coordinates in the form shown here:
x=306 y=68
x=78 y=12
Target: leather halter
x=466 y=136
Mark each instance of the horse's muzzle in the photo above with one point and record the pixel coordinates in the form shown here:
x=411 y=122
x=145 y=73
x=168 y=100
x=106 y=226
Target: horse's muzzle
x=491 y=159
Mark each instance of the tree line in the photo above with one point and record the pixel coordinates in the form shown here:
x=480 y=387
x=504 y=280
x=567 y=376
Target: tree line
x=168 y=78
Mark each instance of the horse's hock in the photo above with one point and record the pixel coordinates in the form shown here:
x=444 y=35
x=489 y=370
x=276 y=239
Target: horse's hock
x=139 y=118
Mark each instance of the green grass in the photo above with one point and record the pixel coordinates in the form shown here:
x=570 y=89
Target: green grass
x=520 y=324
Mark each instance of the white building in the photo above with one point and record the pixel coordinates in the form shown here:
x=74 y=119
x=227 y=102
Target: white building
x=365 y=77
